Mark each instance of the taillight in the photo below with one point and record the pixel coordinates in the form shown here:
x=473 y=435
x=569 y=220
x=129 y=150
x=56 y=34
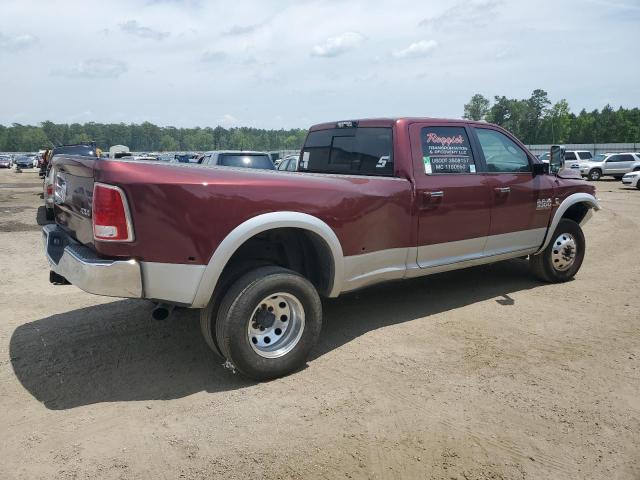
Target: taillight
x=50 y=190
x=110 y=215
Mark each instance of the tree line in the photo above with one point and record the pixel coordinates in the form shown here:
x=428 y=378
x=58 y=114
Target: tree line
x=536 y=120
x=146 y=137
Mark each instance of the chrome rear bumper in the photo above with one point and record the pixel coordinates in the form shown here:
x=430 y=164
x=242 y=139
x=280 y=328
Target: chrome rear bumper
x=82 y=267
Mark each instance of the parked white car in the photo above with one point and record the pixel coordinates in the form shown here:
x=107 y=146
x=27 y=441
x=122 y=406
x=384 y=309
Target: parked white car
x=632 y=179
x=609 y=165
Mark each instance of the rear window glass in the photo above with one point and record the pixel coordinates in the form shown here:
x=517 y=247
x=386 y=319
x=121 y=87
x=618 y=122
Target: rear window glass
x=356 y=151
x=570 y=156
x=247 y=161
x=585 y=155
x=446 y=150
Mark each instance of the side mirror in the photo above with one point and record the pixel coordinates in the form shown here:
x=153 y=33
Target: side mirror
x=556 y=158
x=540 y=168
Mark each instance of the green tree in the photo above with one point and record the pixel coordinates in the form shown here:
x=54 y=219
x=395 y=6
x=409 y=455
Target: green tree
x=477 y=108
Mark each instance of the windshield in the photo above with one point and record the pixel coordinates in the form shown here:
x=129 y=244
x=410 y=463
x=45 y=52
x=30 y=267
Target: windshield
x=245 y=160
x=599 y=158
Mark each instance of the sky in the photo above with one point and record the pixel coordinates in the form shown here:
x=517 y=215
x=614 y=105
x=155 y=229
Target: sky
x=285 y=64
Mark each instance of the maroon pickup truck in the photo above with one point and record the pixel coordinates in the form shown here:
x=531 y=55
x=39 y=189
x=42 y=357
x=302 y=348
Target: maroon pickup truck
x=372 y=200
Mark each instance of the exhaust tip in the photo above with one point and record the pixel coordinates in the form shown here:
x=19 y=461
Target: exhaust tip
x=162 y=311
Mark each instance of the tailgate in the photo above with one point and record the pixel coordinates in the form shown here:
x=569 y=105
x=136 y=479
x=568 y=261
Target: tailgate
x=73 y=194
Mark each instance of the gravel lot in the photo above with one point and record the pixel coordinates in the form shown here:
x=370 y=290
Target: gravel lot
x=481 y=373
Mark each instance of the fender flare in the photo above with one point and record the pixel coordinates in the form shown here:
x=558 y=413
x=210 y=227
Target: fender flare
x=259 y=224
x=571 y=200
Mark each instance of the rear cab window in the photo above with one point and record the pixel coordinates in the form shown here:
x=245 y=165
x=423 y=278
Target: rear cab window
x=352 y=150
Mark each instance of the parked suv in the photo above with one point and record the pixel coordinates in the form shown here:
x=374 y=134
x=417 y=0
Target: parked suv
x=611 y=165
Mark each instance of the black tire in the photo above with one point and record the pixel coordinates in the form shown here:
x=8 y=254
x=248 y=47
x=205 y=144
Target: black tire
x=638 y=184
x=595 y=174
x=237 y=310
x=49 y=214
x=542 y=265
x=209 y=314
x=207 y=324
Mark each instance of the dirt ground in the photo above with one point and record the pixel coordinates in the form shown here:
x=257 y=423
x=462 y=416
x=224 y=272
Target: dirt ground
x=477 y=374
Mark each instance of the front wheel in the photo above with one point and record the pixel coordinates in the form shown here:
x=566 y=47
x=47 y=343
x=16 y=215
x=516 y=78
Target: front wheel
x=595 y=174
x=562 y=258
x=268 y=322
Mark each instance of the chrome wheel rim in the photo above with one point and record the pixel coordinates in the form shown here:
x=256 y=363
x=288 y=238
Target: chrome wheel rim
x=565 y=250
x=595 y=175
x=276 y=325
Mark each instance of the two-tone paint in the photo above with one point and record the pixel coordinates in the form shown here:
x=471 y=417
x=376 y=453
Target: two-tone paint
x=190 y=219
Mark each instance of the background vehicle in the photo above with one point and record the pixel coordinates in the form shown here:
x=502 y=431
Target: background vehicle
x=573 y=157
x=6 y=161
x=118 y=151
x=632 y=179
x=24 y=161
x=238 y=158
x=289 y=163
x=376 y=200
x=612 y=165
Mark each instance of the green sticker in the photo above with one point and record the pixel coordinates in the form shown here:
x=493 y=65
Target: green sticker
x=427 y=164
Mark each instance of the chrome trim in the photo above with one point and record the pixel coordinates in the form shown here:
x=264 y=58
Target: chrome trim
x=514 y=241
x=171 y=282
x=450 y=252
x=472 y=262
x=437 y=194
x=572 y=199
x=82 y=267
x=259 y=224
x=127 y=213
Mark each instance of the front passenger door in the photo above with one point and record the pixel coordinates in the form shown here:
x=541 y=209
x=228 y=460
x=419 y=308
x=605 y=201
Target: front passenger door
x=521 y=202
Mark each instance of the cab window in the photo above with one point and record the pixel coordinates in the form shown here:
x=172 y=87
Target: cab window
x=502 y=154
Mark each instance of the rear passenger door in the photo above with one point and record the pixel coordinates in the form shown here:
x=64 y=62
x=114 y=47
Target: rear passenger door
x=453 y=202
x=521 y=203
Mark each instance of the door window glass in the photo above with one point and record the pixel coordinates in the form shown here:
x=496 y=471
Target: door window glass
x=501 y=153
x=446 y=150
x=570 y=156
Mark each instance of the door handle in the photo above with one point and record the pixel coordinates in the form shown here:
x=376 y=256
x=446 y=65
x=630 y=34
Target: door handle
x=502 y=190
x=430 y=198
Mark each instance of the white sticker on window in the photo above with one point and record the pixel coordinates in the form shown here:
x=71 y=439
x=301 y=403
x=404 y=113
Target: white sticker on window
x=383 y=161
x=472 y=168
x=305 y=159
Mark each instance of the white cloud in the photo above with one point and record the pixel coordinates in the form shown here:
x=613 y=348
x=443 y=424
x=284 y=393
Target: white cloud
x=17 y=42
x=334 y=46
x=94 y=68
x=213 y=62
x=227 y=120
x=134 y=28
x=417 y=49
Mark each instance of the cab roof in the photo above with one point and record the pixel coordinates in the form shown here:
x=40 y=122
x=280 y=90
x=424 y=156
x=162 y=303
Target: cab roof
x=390 y=122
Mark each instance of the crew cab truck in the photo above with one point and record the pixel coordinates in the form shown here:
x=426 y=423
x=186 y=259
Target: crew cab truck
x=256 y=250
